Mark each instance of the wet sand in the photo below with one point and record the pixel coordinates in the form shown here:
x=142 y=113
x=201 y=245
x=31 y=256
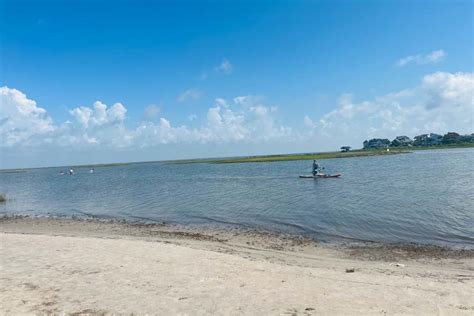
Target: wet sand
x=96 y=267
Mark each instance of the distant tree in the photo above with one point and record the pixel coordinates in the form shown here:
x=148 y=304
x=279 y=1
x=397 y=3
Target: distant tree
x=345 y=148
x=450 y=138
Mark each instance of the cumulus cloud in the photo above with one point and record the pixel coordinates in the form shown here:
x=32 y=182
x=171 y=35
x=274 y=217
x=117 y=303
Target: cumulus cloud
x=439 y=103
x=21 y=120
x=99 y=114
x=96 y=125
x=101 y=125
x=443 y=101
x=225 y=67
x=449 y=89
x=190 y=95
x=225 y=122
x=420 y=59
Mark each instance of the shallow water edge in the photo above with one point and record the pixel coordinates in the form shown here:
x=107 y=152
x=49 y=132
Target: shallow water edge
x=264 y=239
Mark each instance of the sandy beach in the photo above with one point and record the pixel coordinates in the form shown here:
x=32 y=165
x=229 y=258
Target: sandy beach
x=92 y=267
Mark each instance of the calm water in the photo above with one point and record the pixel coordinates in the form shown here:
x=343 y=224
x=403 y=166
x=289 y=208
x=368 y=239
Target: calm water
x=425 y=197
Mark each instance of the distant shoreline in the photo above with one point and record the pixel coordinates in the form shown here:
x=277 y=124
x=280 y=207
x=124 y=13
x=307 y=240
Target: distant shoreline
x=302 y=156
x=264 y=158
x=323 y=155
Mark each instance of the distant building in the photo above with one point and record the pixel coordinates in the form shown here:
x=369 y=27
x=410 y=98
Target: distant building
x=345 y=148
x=431 y=139
x=401 y=141
x=376 y=143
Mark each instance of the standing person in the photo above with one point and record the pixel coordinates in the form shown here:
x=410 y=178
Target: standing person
x=315 y=168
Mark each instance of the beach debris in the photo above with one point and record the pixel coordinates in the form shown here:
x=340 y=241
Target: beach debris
x=309 y=309
x=400 y=265
x=351 y=270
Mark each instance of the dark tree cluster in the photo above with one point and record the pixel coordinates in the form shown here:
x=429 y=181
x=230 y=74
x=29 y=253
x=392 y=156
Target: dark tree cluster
x=431 y=139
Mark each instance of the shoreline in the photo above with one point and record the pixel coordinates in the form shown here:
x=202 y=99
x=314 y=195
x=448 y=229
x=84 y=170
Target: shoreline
x=140 y=228
x=356 y=153
x=52 y=265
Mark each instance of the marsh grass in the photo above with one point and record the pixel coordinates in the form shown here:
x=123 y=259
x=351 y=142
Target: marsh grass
x=300 y=156
x=322 y=155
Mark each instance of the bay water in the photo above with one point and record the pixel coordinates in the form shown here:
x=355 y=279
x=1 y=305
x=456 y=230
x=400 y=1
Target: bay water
x=422 y=197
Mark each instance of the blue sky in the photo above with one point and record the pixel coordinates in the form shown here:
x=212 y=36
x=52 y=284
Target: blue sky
x=300 y=65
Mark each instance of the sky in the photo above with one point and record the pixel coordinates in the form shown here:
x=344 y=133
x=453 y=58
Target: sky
x=114 y=81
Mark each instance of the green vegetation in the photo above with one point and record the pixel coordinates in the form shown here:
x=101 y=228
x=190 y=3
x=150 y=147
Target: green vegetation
x=302 y=156
x=323 y=155
x=310 y=156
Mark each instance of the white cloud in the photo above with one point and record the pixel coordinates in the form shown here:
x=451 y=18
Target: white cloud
x=308 y=122
x=117 y=113
x=191 y=94
x=225 y=67
x=448 y=89
x=221 y=102
x=100 y=125
x=21 y=120
x=99 y=114
x=442 y=102
x=222 y=125
x=435 y=56
x=420 y=59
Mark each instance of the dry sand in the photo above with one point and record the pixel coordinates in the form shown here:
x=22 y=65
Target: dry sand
x=91 y=267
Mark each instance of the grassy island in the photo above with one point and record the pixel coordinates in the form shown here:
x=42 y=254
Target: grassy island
x=323 y=155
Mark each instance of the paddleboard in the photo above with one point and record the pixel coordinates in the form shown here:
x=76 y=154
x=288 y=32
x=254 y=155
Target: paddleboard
x=310 y=176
